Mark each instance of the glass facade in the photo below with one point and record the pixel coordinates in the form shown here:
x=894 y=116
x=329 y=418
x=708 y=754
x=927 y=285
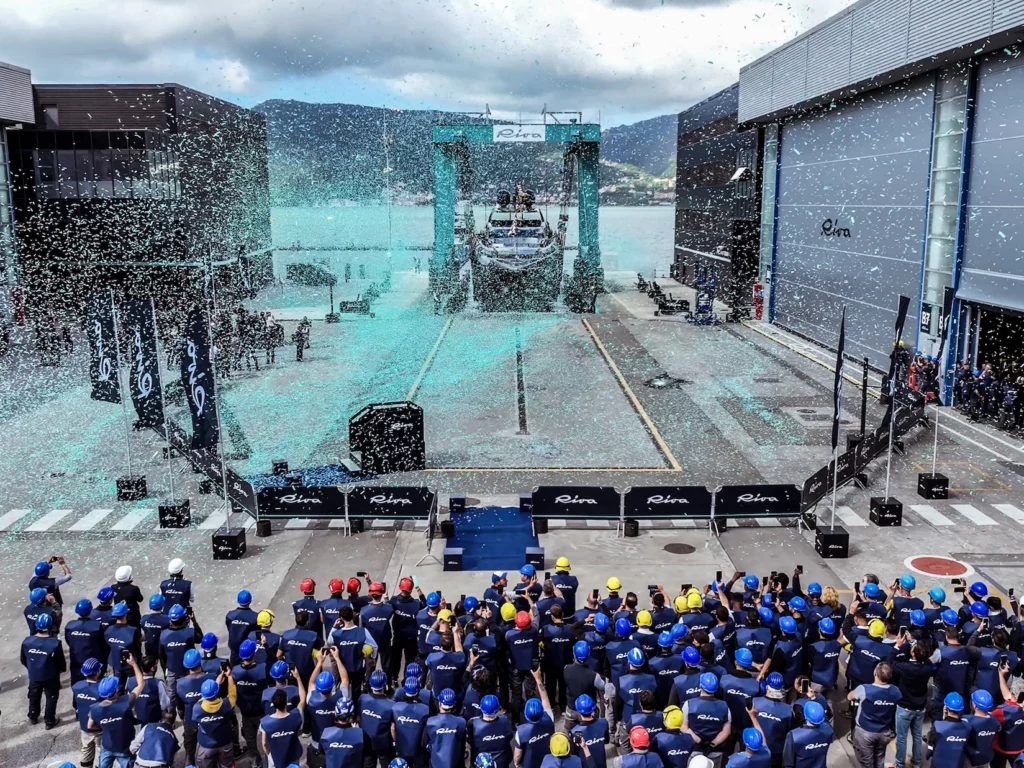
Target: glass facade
x=7 y=243
x=769 y=176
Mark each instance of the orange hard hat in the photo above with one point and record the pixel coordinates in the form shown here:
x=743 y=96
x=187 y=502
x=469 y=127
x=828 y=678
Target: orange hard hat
x=307 y=586
x=522 y=620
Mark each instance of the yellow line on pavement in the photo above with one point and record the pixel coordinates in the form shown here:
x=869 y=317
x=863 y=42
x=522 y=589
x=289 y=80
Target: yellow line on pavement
x=428 y=361
x=662 y=446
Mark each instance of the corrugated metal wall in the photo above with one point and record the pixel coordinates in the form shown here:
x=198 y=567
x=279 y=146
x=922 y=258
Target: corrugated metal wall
x=104 y=108
x=852 y=194
x=15 y=94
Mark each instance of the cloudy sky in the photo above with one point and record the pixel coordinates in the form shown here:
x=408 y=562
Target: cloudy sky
x=628 y=59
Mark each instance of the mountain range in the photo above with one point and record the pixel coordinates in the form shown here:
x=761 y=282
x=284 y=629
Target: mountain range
x=321 y=153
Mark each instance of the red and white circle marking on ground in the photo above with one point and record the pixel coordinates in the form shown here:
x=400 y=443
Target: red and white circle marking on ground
x=938 y=565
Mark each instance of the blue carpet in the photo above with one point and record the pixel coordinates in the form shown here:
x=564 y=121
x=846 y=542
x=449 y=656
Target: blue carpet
x=493 y=538
x=333 y=474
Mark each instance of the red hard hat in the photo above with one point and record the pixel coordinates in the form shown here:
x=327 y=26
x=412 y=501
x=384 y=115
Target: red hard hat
x=376 y=588
x=638 y=738
x=522 y=620
x=405 y=585
x=354 y=584
x=307 y=586
x=336 y=585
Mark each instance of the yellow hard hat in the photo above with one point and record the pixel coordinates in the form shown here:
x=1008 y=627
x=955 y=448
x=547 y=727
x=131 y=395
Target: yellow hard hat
x=614 y=585
x=643 y=619
x=508 y=611
x=562 y=563
x=367 y=650
x=673 y=718
x=559 y=744
x=679 y=604
x=694 y=600
x=876 y=628
x=265 y=618
x=445 y=615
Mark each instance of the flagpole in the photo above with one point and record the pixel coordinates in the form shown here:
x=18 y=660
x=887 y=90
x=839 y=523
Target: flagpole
x=935 y=444
x=216 y=408
x=120 y=391
x=892 y=421
x=835 y=485
x=838 y=406
x=163 y=404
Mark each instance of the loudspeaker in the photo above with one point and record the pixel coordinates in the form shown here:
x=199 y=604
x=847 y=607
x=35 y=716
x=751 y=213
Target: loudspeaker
x=832 y=544
x=293 y=479
x=229 y=543
x=886 y=512
x=526 y=502
x=853 y=440
x=631 y=528
x=453 y=558
x=263 y=528
x=175 y=514
x=540 y=525
x=447 y=529
x=810 y=520
x=206 y=485
x=535 y=557
x=719 y=524
x=932 y=486
x=356 y=525
x=131 y=488
x=279 y=467
x=457 y=503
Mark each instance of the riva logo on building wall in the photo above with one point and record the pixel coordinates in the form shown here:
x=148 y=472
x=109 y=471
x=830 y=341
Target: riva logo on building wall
x=519 y=133
x=831 y=228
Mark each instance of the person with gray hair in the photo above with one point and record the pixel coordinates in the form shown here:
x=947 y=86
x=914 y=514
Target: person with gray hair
x=876 y=717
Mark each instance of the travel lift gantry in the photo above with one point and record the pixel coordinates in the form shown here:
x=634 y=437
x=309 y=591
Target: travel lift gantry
x=581 y=155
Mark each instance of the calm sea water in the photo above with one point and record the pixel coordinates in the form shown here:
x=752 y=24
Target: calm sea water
x=632 y=239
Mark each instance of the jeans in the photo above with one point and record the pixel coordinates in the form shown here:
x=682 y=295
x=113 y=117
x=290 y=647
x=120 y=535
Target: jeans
x=870 y=747
x=522 y=687
x=124 y=760
x=250 y=730
x=908 y=720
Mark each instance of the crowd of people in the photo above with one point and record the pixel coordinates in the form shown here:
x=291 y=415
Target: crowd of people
x=984 y=395
x=743 y=672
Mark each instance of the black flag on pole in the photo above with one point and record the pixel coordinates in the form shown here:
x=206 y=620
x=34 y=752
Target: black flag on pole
x=144 y=368
x=838 y=387
x=901 y=319
x=197 y=379
x=947 y=310
x=102 y=348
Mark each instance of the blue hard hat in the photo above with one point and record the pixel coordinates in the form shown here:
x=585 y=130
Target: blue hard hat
x=908 y=582
x=192 y=659
x=399 y=762
x=413 y=670
x=679 y=631
x=752 y=739
x=378 y=680
x=433 y=599
x=826 y=626
x=788 y=625
x=585 y=705
x=691 y=656
x=245 y=597
x=176 y=612
x=601 y=622
x=978 y=589
x=937 y=594
x=533 y=710
x=279 y=670
x=44 y=622
x=798 y=604
x=498 y=576
x=581 y=650
x=982 y=699
x=744 y=658
x=635 y=657
x=37 y=596
x=156 y=603
x=980 y=610
x=767 y=615
x=775 y=680
x=446 y=698
x=483 y=760
x=665 y=639
x=324 y=682
x=814 y=589
x=247 y=649
x=814 y=713
x=106 y=594
x=751 y=582
x=709 y=682
x=470 y=604
x=623 y=628
x=767 y=601
x=949 y=617
x=954 y=702
x=411 y=686
x=918 y=619
x=490 y=705
x=42 y=569
x=976 y=371
x=83 y=607
x=344 y=707
x=107 y=687
x=91 y=666
x=119 y=610
x=209 y=689
x=872 y=590
x=528 y=570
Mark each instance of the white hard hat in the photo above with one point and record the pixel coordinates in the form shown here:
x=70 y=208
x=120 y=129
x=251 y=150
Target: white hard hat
x=700 y=761
x=177 y=565
x=124 y=573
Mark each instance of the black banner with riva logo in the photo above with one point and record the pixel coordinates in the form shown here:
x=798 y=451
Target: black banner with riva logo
x=668 y=501
x=325 y=501
x=143 y=363
x=102 y=348
x=576 y=501
x=408 y=503
x=197 y=380
x=757 y=501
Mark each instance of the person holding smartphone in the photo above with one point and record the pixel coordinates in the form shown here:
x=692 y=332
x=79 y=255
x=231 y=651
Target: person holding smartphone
x=876 y=720
x=913 y=668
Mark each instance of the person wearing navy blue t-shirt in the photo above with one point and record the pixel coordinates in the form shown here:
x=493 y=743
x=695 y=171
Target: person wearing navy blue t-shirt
x=112 y=715
x=43 y=658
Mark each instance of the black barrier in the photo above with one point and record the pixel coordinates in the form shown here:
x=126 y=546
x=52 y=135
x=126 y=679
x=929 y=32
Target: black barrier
x=576 y=501
x=757 y=501
x=324 y=501
x=816 y=487
x=208 y=463
x=668 y=501
x=387 y=502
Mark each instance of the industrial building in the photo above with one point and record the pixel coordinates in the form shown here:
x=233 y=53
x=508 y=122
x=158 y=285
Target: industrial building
x=893 y=141
x=15 y=111
x=718 y=185
x=144 y=188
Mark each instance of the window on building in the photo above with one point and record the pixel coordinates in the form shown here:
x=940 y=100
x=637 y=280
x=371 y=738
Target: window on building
x=51 y=117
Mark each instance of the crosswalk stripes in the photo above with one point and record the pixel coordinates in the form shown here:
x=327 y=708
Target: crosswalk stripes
x=976 y=516
x=931 y=514
x=850 y=518
x=297 y=523
x=90 y=521
x=131 y=521
x=9 y=519
x=1011 y=512
x=50 y=519
x=214 y=521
